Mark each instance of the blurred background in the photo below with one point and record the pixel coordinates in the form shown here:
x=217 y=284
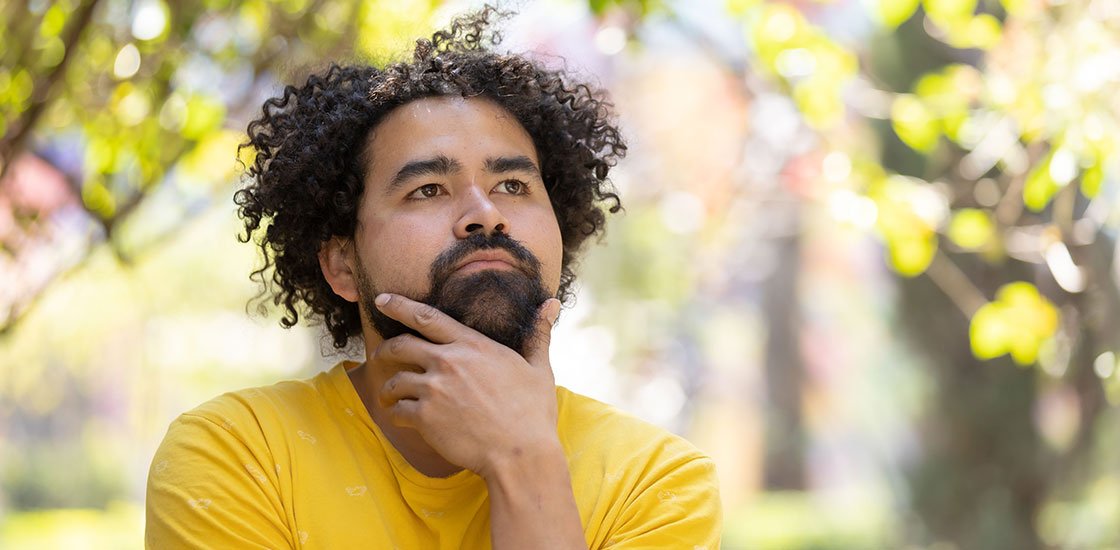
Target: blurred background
x=867 y=262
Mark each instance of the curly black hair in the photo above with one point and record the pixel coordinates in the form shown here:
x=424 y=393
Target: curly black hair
x=306 y=180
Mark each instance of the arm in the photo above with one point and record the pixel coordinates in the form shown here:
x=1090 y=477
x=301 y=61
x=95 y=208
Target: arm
x=484 y=407
x=207 y=489
x=532 y=504
x=678 y=507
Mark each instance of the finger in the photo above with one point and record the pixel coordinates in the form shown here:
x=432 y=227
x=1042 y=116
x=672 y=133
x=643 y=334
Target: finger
x=537 y=350
x=425 y=319
x=404 y=413
x=403 y=385
x=406 y=349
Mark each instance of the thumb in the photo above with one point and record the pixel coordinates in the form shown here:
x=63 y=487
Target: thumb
x=537 y=350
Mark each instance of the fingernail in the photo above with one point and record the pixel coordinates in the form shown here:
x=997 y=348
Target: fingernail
x=381 y=299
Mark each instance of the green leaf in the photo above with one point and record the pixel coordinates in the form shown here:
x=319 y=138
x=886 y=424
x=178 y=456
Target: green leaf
x=1112 y=389
x=775 y=29
x=1040 y=187
x=1091 y=180
x=53 y=21
x=914 y=123
x=910 y=255
x=1018 y=322
x=989 y=332
x=818 y=101
x=647 y=7
x=130 y=104
x=383 y=26
x=948 y=95
x=891 y=13
x=1014 y=7
x=971 y=228
x=212 y=161
x=948 y=11
x=599 y=6
x=984 y=31
x=98 y=198
x=909 y=236
x=100 y=155
x=204 y=114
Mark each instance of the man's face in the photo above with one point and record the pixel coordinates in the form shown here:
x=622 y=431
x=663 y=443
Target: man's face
x=455 y=214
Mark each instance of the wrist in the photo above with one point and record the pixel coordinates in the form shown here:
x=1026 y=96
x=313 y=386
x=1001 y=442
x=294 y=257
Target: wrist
x=532 y=504
x=518 y=465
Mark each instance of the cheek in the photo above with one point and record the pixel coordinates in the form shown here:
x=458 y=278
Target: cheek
x=397 y=257
x=551 y=255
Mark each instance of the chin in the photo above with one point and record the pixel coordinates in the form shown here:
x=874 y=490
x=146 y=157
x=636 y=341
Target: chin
x=501 y=304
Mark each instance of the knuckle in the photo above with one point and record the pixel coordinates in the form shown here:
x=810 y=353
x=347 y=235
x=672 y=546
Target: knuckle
x=425 y=314
x=481 y=345
x=400 y=409
x=420 y=411
x=435 y=386
x=444 y=361
x=396 y=345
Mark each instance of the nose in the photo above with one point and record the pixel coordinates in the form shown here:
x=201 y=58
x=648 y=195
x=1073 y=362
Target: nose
x=479 y=213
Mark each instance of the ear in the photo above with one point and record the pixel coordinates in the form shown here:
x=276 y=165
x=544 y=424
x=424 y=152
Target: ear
x=336 y=259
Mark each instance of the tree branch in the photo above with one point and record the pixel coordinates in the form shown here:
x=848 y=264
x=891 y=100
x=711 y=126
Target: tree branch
x=955 y=284
x=12 y=144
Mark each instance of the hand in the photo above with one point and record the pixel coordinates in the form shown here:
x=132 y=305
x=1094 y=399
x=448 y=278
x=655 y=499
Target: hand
x=476 y=402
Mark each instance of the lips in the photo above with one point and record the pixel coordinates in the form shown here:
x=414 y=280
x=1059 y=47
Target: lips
x=486 y=259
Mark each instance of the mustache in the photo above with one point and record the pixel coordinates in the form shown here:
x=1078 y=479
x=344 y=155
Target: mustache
x=444 y=264
x=500 y=304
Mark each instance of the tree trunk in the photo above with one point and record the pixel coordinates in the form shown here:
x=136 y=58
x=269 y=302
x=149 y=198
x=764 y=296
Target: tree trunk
x=981 y=477
x=784 y=463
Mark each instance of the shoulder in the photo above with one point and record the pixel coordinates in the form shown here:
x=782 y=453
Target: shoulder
x=645 y=486
x=260 y=408
x=589 y=422
x=256 y=421
x=218 y=476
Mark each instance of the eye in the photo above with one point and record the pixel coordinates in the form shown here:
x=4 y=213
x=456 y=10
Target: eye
x=513 y=187
x=426 y=192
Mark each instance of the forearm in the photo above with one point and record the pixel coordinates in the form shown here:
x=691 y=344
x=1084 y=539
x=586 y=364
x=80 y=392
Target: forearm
x=532 y=504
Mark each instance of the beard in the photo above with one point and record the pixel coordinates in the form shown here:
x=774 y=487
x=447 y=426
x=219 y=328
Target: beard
x=500 y=304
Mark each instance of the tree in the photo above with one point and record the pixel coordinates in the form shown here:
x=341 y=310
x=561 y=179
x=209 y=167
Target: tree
x=977 y=142
x=116 y=111
x=121 y=121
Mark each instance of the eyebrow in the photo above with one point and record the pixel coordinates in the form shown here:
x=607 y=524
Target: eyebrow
x=439 y=165
x=519 y=163
x=442 y=165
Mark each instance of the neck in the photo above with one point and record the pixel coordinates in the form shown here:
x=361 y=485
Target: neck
x=367 y=380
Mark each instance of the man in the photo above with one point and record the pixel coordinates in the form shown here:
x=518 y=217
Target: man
x=432 y=209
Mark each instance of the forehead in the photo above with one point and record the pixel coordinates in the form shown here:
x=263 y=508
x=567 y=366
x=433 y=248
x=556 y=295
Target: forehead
x=466 y=129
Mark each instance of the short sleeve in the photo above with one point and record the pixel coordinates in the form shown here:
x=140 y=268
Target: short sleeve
x=679 y=509
x=210 y=488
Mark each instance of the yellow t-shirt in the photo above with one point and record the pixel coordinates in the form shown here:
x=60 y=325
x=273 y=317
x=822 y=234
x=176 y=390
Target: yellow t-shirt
x=301 y=464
